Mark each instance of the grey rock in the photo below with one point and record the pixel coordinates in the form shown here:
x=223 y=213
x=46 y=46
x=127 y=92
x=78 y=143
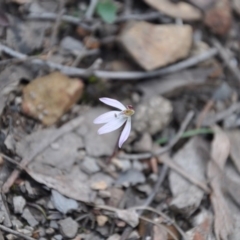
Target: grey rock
x=53 y=224
x=26 y=231
x=42 y=238
x=131 y=177
x=17 y=224
x=104 y=194
x=89 y=165
x=41 y=232
x=122 y=164
x=97 y=145
x=71 y=44
x=68 y=227
x=18 y=204
x=62 y=203
x=152 y=115
x=144 y=144
x=27 y=215
x=57 y=237
x=11 y=237
x=137 y=165
x=114 y=237
x=144 y=188
x=50 y=231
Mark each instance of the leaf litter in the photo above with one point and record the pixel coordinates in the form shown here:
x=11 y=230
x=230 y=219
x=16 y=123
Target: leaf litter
x=70 y=187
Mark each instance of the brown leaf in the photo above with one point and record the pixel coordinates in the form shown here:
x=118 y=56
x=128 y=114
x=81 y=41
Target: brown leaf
x=223 y=220
x=219 y=18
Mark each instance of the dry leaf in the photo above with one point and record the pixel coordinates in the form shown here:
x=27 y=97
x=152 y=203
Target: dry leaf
x=223 y=220
x=181 y=10
x=234 y=137
x=193 y=159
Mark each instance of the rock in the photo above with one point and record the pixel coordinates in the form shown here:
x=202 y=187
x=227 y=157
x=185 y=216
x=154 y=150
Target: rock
x=116 y=196
x=57 y=237
x=144 y=188
x=96 y=145
x=53 y=224
x=203 y=4
x=101 y=220
x=50 y=231
x=114 y=237
x=144 y=144
x=27 y=215
x=89 y=165
x=152 y=115
x=101 y=185
x=104 y=194
x=26 y=231
x=193 y=158
x=137 y=165
x=181 y=9
x=62 y=203
x=11 y=237
x=48 y=98
x=68 y=227
x=71 y=44
x=219 y=17
x=17 y=224
x=153 y=46
x=131 y=177
x=129 y=216
x=122 y=164
x=18 y=204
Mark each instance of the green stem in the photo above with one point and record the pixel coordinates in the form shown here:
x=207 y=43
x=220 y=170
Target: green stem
x=188 y=134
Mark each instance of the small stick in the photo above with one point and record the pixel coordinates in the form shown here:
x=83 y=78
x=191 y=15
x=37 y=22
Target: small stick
x=9 y=230
x=72 y=71
x=164 y=149
x=226 y=58
x=91 y=9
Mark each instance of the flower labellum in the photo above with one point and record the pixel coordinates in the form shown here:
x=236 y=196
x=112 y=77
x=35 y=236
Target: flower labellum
x=115 y=119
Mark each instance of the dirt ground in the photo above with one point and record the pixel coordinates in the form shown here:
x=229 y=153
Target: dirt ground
x=166 y=166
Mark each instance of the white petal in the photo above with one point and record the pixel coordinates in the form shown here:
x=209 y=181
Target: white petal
x=106 y=117
x=113 y=103
x=125 y=133
x=111 y=126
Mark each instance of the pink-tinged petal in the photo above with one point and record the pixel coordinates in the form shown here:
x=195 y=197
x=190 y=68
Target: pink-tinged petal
x=111 y=126
x=113 y=103
x=106 y=117
x=125 y=133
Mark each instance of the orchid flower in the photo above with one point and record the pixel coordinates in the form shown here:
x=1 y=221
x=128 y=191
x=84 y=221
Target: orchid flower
x=115 y=119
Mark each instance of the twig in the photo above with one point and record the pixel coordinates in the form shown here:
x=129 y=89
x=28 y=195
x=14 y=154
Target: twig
x=77 y=21
x=91 y=9
x=226 y=58
x=164 y=149
x=221 y=115
x=171 y=221
x=161 y=176
x=57 y=24
x=72 y=71
x=9 y=230
x=68 y=127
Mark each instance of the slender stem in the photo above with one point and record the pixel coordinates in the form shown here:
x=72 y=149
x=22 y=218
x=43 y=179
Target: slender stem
x=188 y=134
x=115 y=150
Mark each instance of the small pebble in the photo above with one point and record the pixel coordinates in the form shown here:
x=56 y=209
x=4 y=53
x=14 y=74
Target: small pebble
x=50 y=231
x=18 y=204
x=68 y=227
